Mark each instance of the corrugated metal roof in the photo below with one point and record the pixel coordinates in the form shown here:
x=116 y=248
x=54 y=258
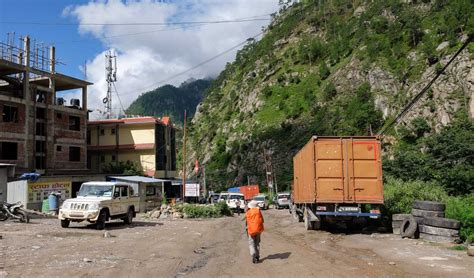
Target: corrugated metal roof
x=137 y=179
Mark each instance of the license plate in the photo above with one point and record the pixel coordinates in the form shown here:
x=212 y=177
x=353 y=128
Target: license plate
x=321 y=208
x=348 y=209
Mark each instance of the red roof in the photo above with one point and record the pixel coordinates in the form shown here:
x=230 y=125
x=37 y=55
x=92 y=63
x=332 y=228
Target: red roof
x=137 y=120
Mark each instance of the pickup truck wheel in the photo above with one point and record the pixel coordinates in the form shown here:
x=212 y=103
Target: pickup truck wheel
x=129 y=218
x=100 y=223
x=65 y=223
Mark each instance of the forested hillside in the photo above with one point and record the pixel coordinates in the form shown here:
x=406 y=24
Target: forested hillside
x=345 y=68
x=171 y=101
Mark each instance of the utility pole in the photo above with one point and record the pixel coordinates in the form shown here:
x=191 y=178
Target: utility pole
x=268 y=170
x=204 y=179
x=111 y=77
x=184 y=157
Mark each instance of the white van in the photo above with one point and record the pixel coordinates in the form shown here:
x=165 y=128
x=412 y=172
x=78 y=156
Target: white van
x=236 y=201
x=223 y=196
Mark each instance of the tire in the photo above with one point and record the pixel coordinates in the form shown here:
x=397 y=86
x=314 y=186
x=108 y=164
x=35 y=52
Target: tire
x=419 y=220
x=65 y=223
x=129 y=218
x=3 y=216
x=436 y=238
x=438 y=231
x=399 y=217
x=427 y=213
x=409 y=228
x=100 y=223
x=442 y=222
x=23 y=216
x=396 y=231
x=428 y=205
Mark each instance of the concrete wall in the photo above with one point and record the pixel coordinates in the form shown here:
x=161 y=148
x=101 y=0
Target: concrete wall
x=3 y=184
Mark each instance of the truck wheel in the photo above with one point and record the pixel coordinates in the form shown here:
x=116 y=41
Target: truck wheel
x=65 y=223
x=129 y=218
x=100 y=223
x=428 y=205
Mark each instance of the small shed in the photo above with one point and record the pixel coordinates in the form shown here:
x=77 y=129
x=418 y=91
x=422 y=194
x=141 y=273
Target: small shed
x=150 y=190
x=6 y=171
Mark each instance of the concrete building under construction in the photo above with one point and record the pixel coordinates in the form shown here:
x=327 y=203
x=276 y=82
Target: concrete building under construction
x=40 y=131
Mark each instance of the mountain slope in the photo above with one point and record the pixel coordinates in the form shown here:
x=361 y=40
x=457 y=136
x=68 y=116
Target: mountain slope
x=336 y=68
x=171 y=101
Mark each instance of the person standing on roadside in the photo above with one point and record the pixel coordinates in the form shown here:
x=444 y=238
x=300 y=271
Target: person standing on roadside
x=254 y=221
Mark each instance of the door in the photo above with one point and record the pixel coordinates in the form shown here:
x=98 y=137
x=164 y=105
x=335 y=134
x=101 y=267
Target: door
x=115 y=207
x=365 y=171
x=329 y=170
x=124 y=199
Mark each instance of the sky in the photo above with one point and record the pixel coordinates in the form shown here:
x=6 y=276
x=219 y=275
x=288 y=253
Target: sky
x=155 y=40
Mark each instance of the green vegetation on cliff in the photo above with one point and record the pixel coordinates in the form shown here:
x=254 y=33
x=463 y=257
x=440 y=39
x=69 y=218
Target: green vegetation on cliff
x=170 y=101
x=343 y=68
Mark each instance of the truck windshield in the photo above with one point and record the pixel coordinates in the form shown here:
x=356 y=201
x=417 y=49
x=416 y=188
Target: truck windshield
x=95 y=190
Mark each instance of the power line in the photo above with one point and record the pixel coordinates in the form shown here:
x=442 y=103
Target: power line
x=418 y=96
x=198 y=65
x=248 y=19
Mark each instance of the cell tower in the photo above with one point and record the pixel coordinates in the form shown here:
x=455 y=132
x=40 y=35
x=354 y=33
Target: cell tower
x=111 y=77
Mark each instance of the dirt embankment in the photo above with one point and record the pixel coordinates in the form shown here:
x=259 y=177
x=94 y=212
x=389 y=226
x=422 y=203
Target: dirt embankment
x=215 y=247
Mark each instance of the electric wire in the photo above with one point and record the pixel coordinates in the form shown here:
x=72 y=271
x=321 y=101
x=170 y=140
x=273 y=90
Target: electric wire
x=195 y=66
x=418 y=96
x=247 y=19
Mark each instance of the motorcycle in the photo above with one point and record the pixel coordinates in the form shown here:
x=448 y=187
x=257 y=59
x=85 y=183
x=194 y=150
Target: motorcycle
x=14 y=211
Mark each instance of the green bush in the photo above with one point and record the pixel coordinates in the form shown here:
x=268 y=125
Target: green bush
x=223 y=209
x=399 y=195
x=462 y=209
x=204 y=211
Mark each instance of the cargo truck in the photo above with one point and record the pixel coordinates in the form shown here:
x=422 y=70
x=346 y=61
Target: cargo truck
x=337 y=179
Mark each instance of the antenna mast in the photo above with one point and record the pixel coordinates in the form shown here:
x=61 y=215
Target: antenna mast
x=111 y=77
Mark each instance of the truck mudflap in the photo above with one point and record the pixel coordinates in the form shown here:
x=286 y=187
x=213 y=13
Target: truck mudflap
x=353 y=214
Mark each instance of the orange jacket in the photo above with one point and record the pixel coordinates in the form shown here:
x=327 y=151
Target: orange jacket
x=254 y=221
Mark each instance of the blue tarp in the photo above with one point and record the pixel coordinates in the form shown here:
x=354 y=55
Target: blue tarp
x=234 y=190
x=30 y=176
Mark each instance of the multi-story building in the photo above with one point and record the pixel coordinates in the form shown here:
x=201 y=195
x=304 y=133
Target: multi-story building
x=38 y=131
x=147 y=141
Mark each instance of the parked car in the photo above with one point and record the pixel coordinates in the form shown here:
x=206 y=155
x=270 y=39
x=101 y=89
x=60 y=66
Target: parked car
x=223 y=196
x=262 y=201
x=214 y=198
x=236 y=201
x=97 y=202
x=282 y=200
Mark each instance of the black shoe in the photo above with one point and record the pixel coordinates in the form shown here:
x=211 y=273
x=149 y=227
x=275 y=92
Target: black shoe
x=254 y=259
x=258 y=259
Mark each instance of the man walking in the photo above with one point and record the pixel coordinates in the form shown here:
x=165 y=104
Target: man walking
x=254 y=220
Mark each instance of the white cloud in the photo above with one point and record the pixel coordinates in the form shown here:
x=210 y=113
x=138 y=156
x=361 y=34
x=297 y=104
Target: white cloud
x=145 y=59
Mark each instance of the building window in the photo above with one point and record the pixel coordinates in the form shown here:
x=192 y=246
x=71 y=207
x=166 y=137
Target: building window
x=74 y=154
x=74 y=123
x=40 y=129
x=102 y=158
x=40 y=113
x=113 y=157
x=59 y=115
x=59 y=148
x=112 y=131
x=8 y=151
x=102 y=132
x=40 y=146
x=10 y=114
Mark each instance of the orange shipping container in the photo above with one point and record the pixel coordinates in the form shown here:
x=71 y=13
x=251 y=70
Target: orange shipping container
x=249 y=191
x=338 y=170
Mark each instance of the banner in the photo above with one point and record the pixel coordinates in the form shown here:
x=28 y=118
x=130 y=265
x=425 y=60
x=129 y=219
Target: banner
x=38 y=191
x=192 y=190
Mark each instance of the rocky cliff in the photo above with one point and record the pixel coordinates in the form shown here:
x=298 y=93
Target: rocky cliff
x=332 y=68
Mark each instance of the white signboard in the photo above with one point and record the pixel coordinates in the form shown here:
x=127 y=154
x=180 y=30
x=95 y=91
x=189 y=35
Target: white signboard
x=192 y=190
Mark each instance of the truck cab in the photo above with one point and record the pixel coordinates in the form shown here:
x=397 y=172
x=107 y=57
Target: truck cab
x=99 y=202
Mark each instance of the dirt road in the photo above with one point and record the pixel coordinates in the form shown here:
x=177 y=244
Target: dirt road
x=216 y=247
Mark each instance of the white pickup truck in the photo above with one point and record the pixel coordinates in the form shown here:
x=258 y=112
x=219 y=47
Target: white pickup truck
x=97 y=202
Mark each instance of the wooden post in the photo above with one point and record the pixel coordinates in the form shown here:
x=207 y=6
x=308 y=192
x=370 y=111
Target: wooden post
x=184 y=157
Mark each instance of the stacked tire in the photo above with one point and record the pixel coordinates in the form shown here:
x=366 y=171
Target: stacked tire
x=422 y=209
x=439 y=229
x=397 y=220
x=432 y=225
